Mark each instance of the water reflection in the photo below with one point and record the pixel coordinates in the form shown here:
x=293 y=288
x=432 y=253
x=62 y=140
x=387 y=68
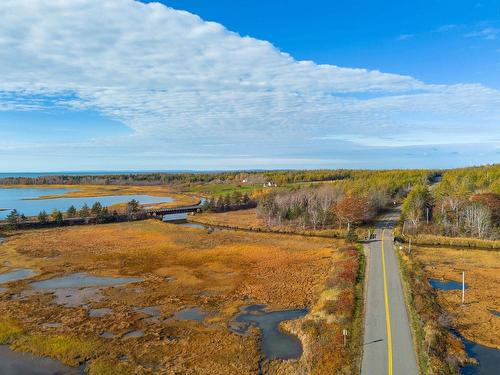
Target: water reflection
x=275 y=343
x=15 y=275
x=488 y=359
x=82 y=279
x=446 y=284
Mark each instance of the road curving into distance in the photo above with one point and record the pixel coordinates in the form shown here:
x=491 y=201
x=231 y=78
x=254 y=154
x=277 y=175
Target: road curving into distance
x=387 y=346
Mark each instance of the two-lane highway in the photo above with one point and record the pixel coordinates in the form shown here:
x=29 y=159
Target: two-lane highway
x=388 y=346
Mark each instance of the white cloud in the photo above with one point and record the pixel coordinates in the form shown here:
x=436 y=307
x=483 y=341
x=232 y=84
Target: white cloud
x=489 y=33
x=405 y=36
x=169 y=75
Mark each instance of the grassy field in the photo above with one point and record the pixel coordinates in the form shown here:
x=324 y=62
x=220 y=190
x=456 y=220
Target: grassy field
x=474 y=319
x=216 y=272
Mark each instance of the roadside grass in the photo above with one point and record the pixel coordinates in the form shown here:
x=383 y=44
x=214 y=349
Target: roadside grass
x=356 y=340
x=437 y=350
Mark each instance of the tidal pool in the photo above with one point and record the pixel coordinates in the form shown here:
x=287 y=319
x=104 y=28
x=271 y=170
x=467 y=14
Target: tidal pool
x=74 y=297
x=79 y=288
x=191 y=313
x=82 y=279
x=99 y=313
x=24 y=200
x=275 y=343
x=153 y=311
x=15 y=363
x=15 y=275
x=107 y=335
x=446 y=284
x=133 y=334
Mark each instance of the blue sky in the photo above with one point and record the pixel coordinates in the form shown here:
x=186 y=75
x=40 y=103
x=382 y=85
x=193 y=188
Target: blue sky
x=428 y=40
x=218 y=84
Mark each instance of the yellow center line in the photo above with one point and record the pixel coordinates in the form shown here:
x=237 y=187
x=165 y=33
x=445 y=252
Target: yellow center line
x=387 y=315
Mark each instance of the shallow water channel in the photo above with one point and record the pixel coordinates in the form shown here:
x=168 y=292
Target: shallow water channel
x=488 y=358
x=275 y=343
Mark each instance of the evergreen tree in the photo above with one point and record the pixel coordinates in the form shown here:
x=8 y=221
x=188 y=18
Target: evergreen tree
x=133 y=207
x=57 y=216
x=71 y=211
x=13 y=219
x=43 y=217
x=84 y=211
x=96 y=208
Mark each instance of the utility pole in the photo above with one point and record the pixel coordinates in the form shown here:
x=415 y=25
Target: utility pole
x=344 y=333
x=409 y=246
x=403 y=231
x=427 y=214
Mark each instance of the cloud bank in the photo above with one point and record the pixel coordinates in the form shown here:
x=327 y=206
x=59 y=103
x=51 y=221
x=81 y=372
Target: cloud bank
x=172 y=77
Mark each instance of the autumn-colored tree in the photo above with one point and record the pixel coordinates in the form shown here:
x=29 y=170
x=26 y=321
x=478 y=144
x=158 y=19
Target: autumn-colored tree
x=417 y=204
x=351 y=209
x=492 y=201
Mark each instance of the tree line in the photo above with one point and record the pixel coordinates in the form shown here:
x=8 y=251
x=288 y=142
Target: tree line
x=97 y=211
x=235 y=200
x=466 y=202
x=341 y=203
x=278 y=177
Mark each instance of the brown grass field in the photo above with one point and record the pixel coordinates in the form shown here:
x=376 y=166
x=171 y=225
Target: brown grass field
x=217 y=272
x=482 y=274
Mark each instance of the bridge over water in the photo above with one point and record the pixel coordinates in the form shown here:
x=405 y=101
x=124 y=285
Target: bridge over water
x=162 y=212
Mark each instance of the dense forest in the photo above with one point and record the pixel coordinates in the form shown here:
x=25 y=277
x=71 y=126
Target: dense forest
x=465 y=203
x=345 y=202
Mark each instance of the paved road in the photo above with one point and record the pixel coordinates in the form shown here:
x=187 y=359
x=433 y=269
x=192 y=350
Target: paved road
x=388 y=346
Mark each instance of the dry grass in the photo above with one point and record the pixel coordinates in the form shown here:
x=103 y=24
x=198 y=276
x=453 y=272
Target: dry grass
x=482 y=272
x=216 y=272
